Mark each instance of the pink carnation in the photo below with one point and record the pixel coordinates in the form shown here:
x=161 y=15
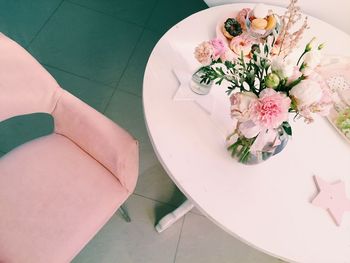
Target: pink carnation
x=218 y=47
x=270 y=110
x=204 y=52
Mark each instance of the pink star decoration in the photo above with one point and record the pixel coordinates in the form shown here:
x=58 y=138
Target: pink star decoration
x=332 y=197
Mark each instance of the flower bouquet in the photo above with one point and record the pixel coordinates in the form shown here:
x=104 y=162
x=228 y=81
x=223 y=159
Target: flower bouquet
x=263 y=85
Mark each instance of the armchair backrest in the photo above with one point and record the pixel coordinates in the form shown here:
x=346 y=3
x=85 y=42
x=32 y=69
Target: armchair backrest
x=97 y=135
x=25 y=86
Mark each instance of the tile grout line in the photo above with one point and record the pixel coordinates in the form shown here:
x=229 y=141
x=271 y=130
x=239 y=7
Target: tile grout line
x=122 y=74
x=152 y=199
x=178 y=241
x=131 y=55
x=42 y=27
x=88 y=79
x=103 y=13
x=77 y=75
x=130 y=93
x=165 y=203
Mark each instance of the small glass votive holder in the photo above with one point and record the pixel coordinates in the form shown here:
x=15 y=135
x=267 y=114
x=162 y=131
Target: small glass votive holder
x=199 y=87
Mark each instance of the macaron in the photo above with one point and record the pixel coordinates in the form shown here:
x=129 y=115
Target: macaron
x=271 y=22
x=260 y=11
x=259 y=23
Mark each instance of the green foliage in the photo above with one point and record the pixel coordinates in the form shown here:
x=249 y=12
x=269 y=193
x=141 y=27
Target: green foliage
x=243 y=74
x=287 y=128
x=343 y=122
x=241 y=149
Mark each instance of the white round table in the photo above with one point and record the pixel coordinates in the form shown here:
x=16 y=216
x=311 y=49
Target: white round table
x=268 y=205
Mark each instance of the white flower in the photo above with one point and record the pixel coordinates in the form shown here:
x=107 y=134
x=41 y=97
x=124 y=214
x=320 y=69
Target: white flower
x=306 y=93
x=311 y=60
x=240 y=103
x=281 y=67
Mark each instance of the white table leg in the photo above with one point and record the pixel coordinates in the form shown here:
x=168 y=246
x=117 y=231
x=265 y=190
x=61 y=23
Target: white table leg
x=172 y=217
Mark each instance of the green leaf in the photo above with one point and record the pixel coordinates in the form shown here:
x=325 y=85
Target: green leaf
x=287 y=128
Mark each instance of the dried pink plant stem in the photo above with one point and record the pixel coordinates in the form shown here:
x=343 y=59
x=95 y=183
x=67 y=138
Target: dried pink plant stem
x=288 y=40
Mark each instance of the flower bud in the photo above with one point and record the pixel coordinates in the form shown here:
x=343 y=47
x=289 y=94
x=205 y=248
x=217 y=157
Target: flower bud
x=321 y=46
x=272 y=81
x=310 y=45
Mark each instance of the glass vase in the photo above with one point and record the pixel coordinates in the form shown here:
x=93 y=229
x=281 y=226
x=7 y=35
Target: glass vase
x=241 y=148
x=197 y=85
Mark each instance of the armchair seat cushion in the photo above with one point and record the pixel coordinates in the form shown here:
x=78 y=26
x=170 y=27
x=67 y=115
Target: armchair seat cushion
x=54 y=197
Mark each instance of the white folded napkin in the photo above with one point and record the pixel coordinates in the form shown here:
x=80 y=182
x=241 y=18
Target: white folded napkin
x=216 y=104
x=184 y=92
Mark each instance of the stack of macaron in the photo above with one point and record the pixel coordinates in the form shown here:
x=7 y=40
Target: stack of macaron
x=247 y=27
x=261 y=20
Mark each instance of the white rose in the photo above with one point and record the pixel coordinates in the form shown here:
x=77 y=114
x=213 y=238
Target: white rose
x=240 y=103
x=306 y=93
x=311 y=60
x=282 y=68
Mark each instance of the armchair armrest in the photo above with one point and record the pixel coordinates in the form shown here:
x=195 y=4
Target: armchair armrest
x=100 y=137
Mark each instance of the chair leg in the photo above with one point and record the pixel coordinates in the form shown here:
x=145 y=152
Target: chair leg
x=124 y=212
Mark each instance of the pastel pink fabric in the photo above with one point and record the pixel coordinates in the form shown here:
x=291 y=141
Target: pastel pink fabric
x=335 y=66
x=57 y=191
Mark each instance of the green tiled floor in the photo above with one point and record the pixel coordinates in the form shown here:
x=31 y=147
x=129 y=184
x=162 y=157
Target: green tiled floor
x=98 y=50
x=23 y=19
x=87 y=43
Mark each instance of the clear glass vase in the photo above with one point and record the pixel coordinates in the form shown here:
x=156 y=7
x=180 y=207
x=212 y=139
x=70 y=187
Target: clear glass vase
x=197 y=85
x=241 y=148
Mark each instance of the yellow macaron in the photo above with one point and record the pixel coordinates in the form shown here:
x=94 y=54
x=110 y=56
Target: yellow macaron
x=271 y=22
x=259 y=23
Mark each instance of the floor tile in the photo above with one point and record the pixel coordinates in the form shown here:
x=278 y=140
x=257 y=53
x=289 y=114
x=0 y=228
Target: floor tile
x=132 y=78
x=154 y=183
x=22 y=19
x=24 y=128
x=134 y=11
x=168 y=13
x=126 y=110
x=95 y=94
x=134 y=242
x=202 y=241
x=86 y=43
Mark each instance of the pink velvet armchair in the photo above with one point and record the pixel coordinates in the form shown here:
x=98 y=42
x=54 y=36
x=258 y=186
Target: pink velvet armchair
x=57 y=191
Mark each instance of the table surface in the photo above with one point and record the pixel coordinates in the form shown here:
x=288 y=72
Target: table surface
x=268 y=205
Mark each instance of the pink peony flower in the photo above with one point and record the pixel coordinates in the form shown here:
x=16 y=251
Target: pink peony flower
x=240 y=104
x=270 y=110
x=204 y=52
x=218 y=46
